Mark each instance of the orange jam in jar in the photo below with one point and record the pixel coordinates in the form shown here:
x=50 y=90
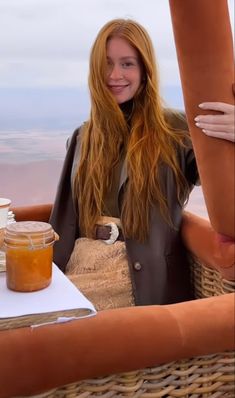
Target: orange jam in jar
x=29 y=253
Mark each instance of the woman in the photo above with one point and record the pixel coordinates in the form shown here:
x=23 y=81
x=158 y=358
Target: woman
x=131 y=166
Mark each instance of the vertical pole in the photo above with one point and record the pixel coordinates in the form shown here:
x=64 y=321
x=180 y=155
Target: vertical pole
x=204 y=47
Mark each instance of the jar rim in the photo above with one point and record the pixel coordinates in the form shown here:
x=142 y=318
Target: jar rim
x=5 y=202
x=31 y=234
x=28 y=227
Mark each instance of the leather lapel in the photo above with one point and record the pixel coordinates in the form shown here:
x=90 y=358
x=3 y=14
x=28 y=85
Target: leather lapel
x=77 y=151
x=123 y=176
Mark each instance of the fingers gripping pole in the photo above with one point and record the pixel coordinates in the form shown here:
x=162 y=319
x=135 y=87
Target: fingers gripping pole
x=204 y=47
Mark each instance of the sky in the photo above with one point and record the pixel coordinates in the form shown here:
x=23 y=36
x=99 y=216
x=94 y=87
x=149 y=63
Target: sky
x=44 y=53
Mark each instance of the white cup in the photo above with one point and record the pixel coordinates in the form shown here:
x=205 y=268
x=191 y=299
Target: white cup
x=4 y=207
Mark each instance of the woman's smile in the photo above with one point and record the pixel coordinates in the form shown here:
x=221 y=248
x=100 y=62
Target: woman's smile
x=117 y=89
x=124 y=71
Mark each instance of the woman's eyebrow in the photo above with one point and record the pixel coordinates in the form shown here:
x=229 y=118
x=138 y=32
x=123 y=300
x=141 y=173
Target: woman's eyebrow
x=129 y=57
x=126 y=57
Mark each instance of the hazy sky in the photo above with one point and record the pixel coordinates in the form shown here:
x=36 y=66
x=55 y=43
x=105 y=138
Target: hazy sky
x=44 y=52
x=47 y=42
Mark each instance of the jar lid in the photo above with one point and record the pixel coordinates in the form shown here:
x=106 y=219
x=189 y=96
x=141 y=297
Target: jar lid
x=4 y=202
x=29 y=233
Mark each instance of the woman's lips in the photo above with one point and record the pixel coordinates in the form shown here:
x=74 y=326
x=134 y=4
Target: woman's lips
x=117 y=89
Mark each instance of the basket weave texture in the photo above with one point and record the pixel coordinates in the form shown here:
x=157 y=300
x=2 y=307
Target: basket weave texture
x=38 y=319
x=208 y=282
x=199 y=377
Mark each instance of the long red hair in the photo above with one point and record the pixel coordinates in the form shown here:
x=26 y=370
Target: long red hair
x=149 y=143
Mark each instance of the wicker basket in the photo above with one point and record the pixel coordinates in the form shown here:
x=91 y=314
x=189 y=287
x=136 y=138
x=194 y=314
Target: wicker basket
x=208 y=282
x=207 y=376
x=199 y=377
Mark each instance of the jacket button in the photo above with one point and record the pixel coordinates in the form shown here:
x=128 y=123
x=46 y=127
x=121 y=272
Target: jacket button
x=137 y=266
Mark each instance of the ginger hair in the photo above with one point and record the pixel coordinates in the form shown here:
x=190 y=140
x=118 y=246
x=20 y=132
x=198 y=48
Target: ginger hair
x=148 y=143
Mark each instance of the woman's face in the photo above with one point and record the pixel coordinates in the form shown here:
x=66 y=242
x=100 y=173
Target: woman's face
x=124 y=73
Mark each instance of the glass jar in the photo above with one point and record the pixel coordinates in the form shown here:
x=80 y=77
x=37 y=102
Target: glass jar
x=10 y=220
x=29 y=253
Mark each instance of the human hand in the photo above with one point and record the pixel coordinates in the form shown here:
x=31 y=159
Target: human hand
x=219 y=126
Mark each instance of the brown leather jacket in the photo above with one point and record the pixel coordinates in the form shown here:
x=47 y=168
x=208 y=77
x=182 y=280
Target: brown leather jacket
x=159 y=267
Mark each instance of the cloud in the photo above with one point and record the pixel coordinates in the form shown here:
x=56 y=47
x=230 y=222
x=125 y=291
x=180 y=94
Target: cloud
x=47 y=42
x=41 y=72
x=44 y=54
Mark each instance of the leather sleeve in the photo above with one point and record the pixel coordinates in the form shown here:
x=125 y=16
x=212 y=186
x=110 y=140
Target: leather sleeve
x=63 y=216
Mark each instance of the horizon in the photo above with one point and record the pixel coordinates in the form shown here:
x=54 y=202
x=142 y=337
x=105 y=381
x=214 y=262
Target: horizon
x=43 y=81
x=57 y=108
x=44 y=62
